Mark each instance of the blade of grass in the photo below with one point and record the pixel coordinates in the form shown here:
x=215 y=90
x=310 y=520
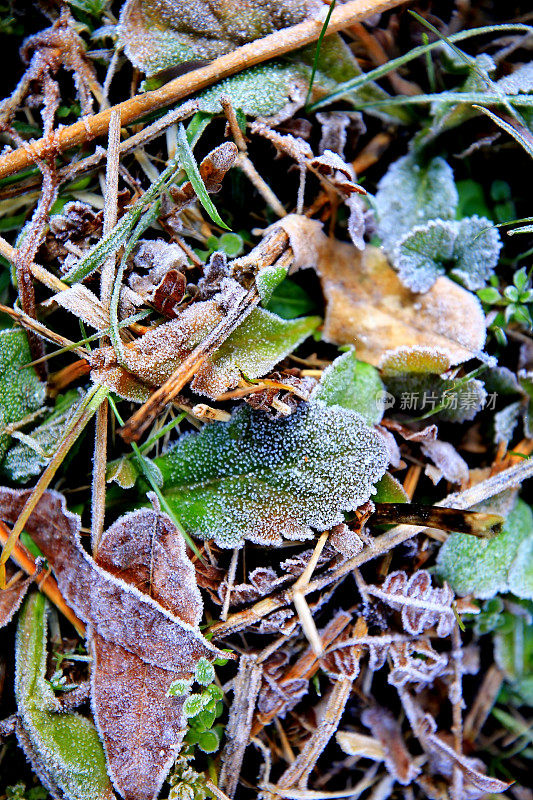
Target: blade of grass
x=379 y=72
x=317 y=51
x=510 y=129
x=190 y=166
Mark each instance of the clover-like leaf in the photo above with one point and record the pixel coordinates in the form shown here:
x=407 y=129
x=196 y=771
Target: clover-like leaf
x=476 y=251
x=21 y=391
x=422 y=254
x=468 y=249
x=265 y=480
x=204 y=672
x=412 y=193
x=64 y=749
x=352 y=384
x=485 y=567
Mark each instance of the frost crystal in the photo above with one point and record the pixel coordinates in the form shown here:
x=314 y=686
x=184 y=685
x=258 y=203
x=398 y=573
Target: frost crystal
x=263 y=480
x=158 y=34
x=21 y=392
x=412 y=194
x=469 y=249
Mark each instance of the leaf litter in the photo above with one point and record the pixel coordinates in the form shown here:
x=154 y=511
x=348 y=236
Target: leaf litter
x=276 y=601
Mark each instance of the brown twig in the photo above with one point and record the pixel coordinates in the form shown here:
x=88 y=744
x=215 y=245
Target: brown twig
x=272 y=46
x=46 y=583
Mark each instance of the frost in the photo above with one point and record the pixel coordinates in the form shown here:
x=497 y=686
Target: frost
x=64 y=749
x=12 y=596
x=335 y=126
x=386 y=729
x=27 y=459
x=486 y=567
x=468 y=249
x=421 y=255
x=411 y=193
x=448 y=463
x=368 y=306
x=274 y=88
x=253 y=478
x=21 y=391
x=422 y=606
x=120 y=613
x=258 y=344
x=418 y=360
x=518 y=82
x=306 y=238
x=352 y=384
x=476 y=251
x=158 y=34
x=505 y=422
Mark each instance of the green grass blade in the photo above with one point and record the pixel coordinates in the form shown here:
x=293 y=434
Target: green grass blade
x=190 y=166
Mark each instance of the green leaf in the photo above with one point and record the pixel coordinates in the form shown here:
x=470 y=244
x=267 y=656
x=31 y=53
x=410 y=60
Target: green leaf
x=486 y=567
x=208 y=741
x=179 y=688
x=412 y=193
x=513 y=652
x=27 y=459
x=260 y=91
x=289 y=300
x=21 y=391
x=390 y=490
x=64 y=749
x=160 y=34
x=352 y=384
x=190 y=166
x=268 y=279
x=204 y=672
x=195 y=703
x=468 y=250
x=265 y=480
x=253 y=349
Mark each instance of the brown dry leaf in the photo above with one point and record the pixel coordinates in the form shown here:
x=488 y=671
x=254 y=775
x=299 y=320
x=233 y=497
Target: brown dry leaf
x=12 y=597
x=158 y=34
x=142 y=605
x=368 y=306
x=120 y=613
x=386 y=729
x=141 y=728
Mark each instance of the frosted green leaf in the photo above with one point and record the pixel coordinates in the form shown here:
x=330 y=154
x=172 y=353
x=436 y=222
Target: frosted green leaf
x=208 y=741
x=64 y=749
x=32 y=454
x=258 y=344
x=260 y=91
x=352 y=384
x=265 y=480
x=122 y=471
x=204 y=672
x=486 y=567
x=505 y=422
x=159 y=34
x=518 y=82
x=179 y=688
x=194 y=704
x=476 y=251
x=468 y=250
x=268 y=279
x=21 y=391
x=412 y=193
x=422 y=254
